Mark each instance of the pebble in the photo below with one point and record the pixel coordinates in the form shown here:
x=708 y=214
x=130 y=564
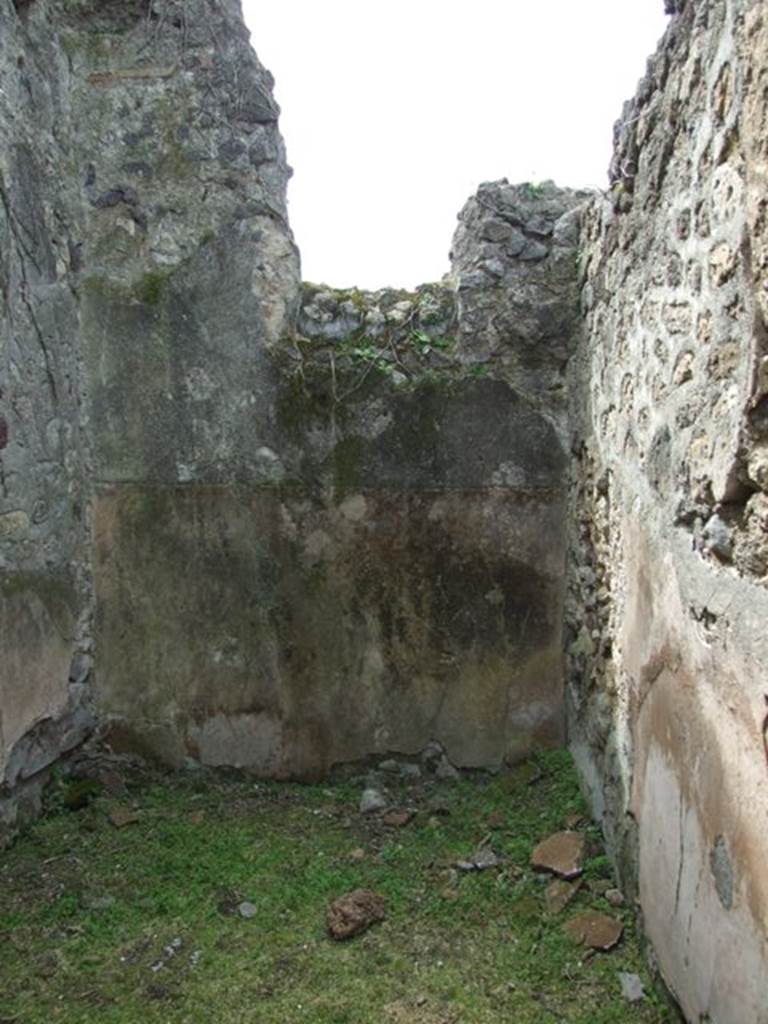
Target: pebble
x=596 y=931
x=372 y=800
x=354 y=913
x=446 y=771
x=439 y=805
x=559 y=894
x=599 y=886
x=486 y=858
x=431 y=754
x=631 y=987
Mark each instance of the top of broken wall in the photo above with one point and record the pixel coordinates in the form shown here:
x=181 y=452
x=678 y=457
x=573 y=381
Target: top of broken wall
x=507 y=310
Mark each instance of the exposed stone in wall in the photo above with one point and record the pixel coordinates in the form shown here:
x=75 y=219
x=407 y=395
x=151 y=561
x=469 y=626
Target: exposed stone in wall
x=667 y=601
x=514 y=260
x=408 y=337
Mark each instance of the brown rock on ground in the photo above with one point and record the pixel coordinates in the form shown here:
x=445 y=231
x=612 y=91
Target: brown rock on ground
x=598 y=931
x=398 y=818
x=559 y=894
x=354 y=913
x=121 y=816
x=574 y=820
x=561 y=854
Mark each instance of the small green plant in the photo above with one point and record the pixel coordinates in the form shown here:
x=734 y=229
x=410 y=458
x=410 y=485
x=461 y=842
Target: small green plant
x=425 y=343
x=534 y=189
x=367 y=352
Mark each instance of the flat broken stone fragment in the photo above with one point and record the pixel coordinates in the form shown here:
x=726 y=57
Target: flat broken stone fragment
x=398 y=819
x=484 y=858
x=121 y=816
x=354 y=913
x=559 y=894
x=597 y=931
x=561 y=854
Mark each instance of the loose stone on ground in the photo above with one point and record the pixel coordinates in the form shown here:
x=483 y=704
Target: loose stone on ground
x=631 y=987
x=559 y=894
x=372 y=800
x=122 y=816
x=594 y=930
x=561 y=854
x=354 y=913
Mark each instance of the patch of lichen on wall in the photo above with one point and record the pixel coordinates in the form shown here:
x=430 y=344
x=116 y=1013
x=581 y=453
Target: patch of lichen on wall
x=146 y=290
x=150 y=287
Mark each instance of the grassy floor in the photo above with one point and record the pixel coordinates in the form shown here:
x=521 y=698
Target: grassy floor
x=139 y=923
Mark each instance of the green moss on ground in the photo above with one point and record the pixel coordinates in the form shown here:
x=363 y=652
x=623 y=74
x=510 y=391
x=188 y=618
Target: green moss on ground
x=107 y=924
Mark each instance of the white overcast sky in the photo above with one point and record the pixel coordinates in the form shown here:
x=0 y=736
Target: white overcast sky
x=393 y=113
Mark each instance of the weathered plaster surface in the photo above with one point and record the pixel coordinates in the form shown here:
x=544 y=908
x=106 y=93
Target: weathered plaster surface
x=667 y=600
x=340 y=542
x=401 y=596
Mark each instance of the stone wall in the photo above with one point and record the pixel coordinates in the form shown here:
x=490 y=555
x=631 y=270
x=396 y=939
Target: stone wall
x=45 y=588
x=667 y=600
x=146 y=267
x=246 y=524
x=238 y=527
x=395 y=574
